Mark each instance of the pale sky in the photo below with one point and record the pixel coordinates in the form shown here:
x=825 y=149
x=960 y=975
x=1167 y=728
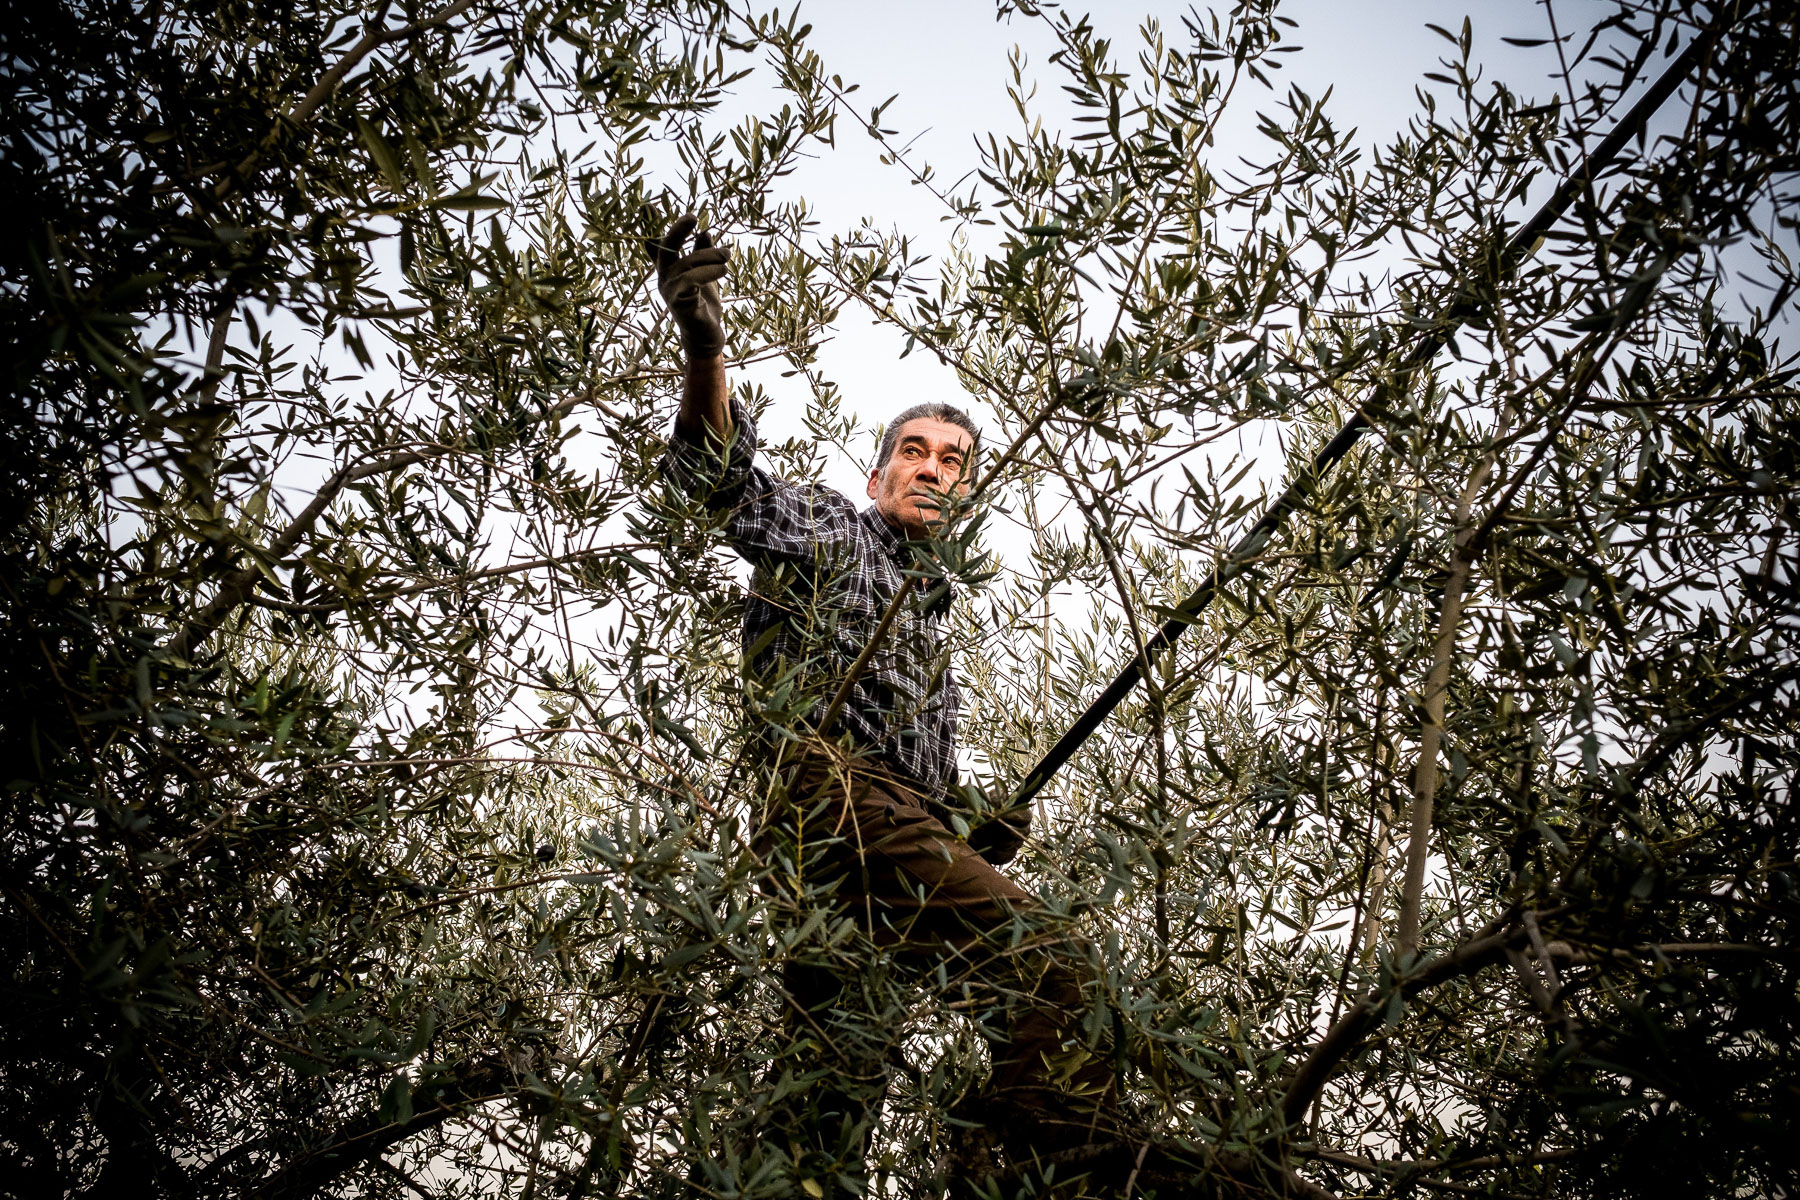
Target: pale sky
x=947 y=62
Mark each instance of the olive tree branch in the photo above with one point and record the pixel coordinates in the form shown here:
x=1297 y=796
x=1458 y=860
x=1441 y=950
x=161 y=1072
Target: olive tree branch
x=296 y=118
x=238 y=587
x=514 y=568
x=363 y=1139
x=1470 y=544
x=1483 y=950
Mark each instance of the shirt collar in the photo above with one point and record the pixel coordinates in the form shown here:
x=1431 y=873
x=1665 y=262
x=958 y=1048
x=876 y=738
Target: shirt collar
x=886 y=536
x=894 y=545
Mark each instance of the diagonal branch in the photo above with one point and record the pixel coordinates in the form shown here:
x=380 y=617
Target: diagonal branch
x=413 y=589
x=1437 y=688
x=1366 y=1015
x=364 y=1139
x=295 y=118
x=240 y=585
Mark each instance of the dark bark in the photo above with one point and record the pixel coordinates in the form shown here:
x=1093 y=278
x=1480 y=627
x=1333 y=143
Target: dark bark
x=359 y=1142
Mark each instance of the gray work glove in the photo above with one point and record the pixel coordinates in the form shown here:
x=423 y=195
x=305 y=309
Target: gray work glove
x=690 y=287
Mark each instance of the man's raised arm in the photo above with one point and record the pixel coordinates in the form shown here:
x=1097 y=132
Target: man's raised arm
x=690 y=288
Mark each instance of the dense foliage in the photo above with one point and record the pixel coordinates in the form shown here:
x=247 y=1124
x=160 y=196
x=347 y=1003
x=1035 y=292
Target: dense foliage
x=377 y=798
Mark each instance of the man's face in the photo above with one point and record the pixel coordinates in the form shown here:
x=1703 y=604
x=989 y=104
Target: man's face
x=929 y=456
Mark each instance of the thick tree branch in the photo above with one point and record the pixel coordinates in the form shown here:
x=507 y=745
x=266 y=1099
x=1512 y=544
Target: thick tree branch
x=1588 y=364
x=367 y=1138
x=1502 y=938
x=1483 y=950
x=1437 y=688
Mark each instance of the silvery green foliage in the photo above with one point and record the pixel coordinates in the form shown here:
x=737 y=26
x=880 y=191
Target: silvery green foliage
x=380 y=790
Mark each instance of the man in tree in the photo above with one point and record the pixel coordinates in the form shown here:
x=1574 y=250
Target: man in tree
x=864 y=811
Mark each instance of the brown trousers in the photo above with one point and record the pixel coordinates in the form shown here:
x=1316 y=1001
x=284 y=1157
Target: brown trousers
x=862 y=835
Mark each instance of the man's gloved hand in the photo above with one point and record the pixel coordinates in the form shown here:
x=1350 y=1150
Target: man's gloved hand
x=690 y=287
x=996 y=833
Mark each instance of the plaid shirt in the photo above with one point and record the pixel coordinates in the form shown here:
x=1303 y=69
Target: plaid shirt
x=824 y=575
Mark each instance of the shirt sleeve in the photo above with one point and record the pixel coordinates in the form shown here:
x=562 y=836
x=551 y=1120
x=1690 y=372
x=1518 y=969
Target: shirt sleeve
x=766 y=519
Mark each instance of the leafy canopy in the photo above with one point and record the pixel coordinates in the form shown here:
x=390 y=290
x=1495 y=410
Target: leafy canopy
x=378 y=794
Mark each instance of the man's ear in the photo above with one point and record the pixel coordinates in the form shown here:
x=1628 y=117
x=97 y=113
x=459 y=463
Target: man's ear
x=874 y=483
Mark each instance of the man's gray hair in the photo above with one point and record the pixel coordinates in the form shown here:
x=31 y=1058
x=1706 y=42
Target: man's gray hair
x=934 y=410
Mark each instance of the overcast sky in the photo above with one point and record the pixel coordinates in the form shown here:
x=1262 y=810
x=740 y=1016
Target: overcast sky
x=947 y=62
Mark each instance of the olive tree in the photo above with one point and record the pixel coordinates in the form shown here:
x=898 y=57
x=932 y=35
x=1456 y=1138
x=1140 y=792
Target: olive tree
x=382 y=793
